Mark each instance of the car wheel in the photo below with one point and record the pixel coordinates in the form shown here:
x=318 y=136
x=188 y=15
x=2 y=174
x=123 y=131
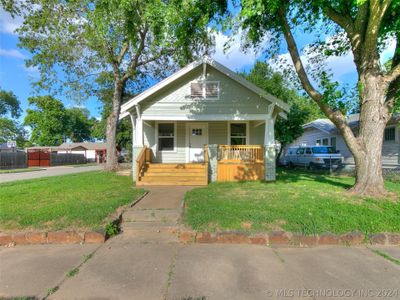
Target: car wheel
x=291 y=165
x=311 y=166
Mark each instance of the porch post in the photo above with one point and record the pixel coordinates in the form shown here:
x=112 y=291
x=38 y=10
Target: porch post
x=269 y=148
x=213 y=163
x=135 y=148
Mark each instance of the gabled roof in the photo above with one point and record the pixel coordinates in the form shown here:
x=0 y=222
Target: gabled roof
x=206 y=60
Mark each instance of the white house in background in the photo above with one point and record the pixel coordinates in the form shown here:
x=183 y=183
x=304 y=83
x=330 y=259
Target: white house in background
x=324 y=132
x=188 y=128
x=94 y=152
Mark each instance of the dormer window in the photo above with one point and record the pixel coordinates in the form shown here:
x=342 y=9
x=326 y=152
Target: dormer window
x=207 y=90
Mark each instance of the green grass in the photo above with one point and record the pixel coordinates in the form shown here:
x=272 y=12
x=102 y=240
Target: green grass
x=20 y=170
x=298 y=201
x=77 y=201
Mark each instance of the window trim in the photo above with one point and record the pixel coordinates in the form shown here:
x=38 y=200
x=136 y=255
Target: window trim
x=204 y=84
x=157 y=137
x=323 y=138
x=395 y=136
x=247 y=131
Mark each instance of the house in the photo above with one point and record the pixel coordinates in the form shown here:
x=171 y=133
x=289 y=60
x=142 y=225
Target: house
x=94 y=152
x=203 y=123
x=324 y=132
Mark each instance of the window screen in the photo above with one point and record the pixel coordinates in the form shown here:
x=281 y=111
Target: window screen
x=166 y=136
x=238 y=133
x=196 y=90
x=212 y=90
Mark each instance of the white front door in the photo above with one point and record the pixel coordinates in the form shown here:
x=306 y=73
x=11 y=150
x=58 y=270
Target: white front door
x=198 y=137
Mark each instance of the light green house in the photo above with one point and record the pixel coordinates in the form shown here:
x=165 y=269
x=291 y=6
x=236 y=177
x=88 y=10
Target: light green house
x=202 y=107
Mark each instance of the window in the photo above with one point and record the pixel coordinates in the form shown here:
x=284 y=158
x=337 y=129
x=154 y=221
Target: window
x=197 y=131
x=333 y=142
x=390 y=134
x=238 y=133
x=300 y=151
x=318 y=142
x=208 y=90
x=166 y=136
x=308 y=150
x=323 y=150
x=325 y=142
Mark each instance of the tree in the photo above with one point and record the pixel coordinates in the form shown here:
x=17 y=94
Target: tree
x=79 y=128
x=302 y=109
x=360 y=27
x=127 y=39
x=10 y=129
x=48 y=120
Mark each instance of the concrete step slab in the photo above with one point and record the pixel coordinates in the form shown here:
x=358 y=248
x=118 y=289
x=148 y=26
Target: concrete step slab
x=151 y=215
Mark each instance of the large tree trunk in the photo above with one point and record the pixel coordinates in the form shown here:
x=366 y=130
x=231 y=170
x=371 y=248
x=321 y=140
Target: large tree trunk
x=112 y=122
x=368 y=155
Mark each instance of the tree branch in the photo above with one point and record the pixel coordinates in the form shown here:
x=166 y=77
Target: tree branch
x=122 y=53
x=336 y=117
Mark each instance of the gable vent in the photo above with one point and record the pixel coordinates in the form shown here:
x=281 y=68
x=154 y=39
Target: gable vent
x=208 y=90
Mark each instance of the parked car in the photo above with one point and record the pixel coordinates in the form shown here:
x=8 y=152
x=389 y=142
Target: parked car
x=313 y=157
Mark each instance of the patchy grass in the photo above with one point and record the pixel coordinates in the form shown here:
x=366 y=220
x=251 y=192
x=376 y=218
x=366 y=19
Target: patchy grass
x=298 y=201
x=77 y=201
x=386 y=256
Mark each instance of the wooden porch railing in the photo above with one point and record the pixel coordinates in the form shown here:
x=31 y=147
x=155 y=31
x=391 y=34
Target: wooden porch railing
x=241 y=153
x=143 y=157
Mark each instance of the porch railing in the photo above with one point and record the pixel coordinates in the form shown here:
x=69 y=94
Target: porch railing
x=241 y=153
x=143 y=157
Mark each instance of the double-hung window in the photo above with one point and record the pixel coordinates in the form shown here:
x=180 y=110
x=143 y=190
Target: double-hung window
x=166 y=136
x=238 y=133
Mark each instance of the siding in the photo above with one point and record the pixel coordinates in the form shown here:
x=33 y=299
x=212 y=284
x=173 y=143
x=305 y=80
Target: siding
x=217 y=134
x=175 y=100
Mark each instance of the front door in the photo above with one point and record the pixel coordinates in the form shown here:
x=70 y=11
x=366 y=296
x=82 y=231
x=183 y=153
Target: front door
x=198 y=137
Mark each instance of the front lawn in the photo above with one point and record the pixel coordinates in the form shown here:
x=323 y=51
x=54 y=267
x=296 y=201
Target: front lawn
x=298 y=201
x=77 y=201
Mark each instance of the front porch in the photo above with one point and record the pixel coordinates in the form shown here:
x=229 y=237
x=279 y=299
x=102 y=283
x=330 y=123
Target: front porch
x=218 y=163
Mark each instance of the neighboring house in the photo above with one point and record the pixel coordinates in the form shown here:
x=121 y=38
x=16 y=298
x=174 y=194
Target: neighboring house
x=190 y=126
x=94 y=152
x=9 y=147
x=324 y=132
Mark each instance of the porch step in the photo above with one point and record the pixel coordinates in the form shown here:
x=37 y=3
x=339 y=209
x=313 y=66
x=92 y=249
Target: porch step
x=175 y=166
x=173 y=174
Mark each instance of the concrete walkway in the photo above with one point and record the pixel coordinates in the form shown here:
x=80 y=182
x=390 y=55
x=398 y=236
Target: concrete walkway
x=156 y=217
x=52 y=171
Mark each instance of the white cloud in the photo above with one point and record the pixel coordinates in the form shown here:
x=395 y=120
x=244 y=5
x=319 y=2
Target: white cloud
x=9 y=24
x=12 y=53
x=32 y=72
x=234 y=57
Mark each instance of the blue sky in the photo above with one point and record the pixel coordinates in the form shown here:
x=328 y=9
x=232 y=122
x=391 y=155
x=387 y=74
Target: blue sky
x=16 y=77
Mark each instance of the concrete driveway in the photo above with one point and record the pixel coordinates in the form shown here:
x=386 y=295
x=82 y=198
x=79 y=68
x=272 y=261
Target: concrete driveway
x=52 y=171
x=124 y=268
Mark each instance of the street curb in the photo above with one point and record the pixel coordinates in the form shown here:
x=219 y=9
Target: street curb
x=288 y=239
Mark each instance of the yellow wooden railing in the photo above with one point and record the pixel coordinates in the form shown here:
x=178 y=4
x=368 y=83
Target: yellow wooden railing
x=241 y=153
x=141 y=160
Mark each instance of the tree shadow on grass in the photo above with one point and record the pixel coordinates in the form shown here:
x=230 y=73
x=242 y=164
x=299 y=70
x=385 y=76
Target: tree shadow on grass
x=288 y=176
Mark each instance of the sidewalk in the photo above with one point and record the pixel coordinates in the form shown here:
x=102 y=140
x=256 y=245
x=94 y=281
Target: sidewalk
x=48 y=172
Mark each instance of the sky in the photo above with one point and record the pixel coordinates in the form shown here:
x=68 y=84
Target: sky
x=15 y=76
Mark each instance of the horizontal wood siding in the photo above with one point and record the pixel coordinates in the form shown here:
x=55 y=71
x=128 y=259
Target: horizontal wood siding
x=175 y=100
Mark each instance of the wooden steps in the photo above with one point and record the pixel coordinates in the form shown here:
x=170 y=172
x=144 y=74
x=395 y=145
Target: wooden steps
x=173 y=174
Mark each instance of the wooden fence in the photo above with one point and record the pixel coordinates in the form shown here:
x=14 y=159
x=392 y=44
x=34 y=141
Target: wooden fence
x=240 y=163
